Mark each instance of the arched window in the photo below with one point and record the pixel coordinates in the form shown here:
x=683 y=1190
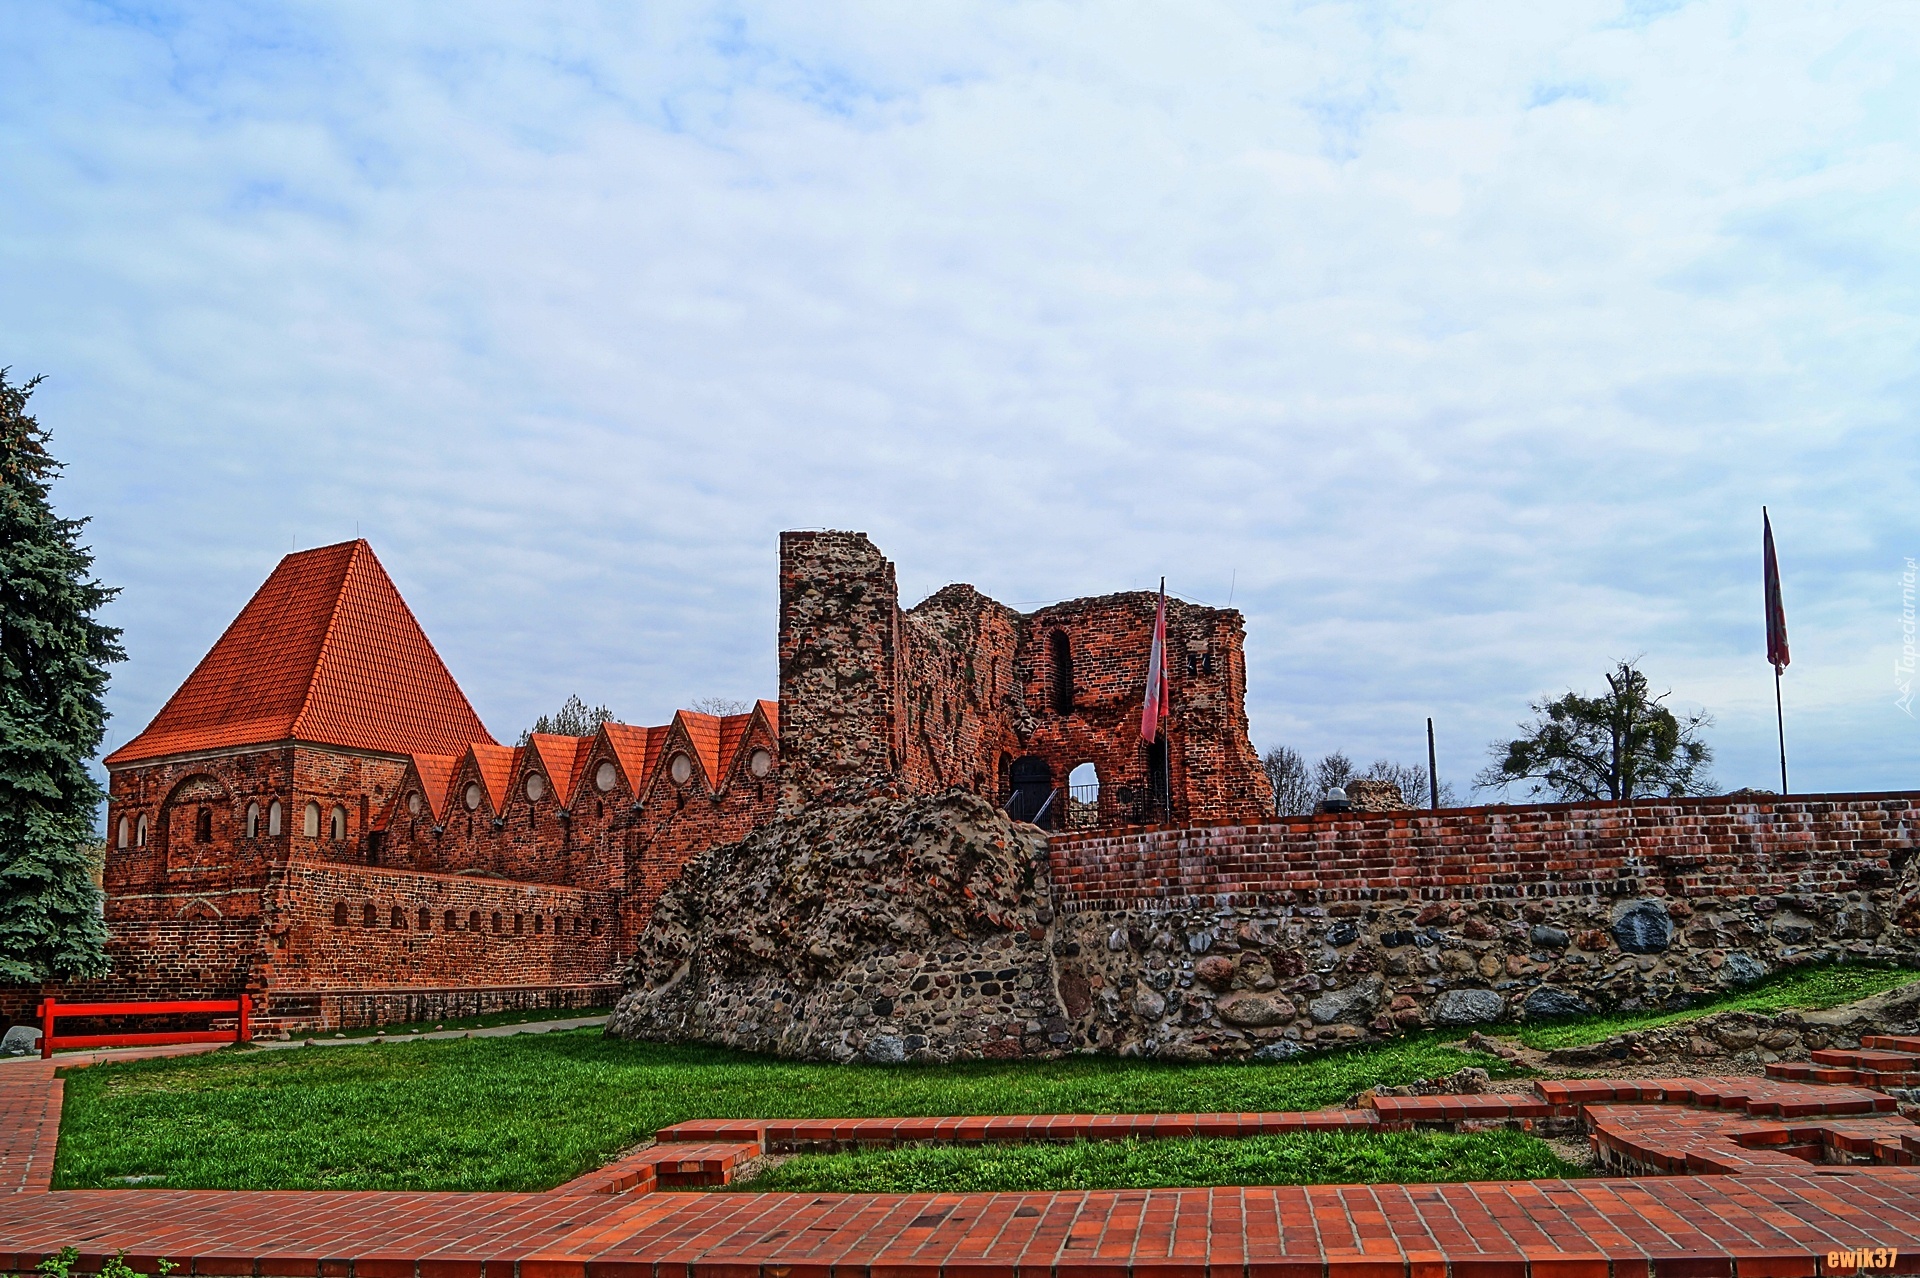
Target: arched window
x=140 y=831
x=595 y=927
x=339 y=913
x=426 y=920
x=539 y=924
x=1062 y=672
x=273 y=817
x=338 y=823
x=398 y=919
x=253 y=820
x=203 y=825
x=369 y=917
x=311 y=825
x=125 y=829
x=496 y=924
x=473 y=921
x=450 y=923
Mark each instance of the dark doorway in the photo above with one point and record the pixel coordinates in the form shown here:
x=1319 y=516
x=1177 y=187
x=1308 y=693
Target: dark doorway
x=1159 y=783
x=1032 y=799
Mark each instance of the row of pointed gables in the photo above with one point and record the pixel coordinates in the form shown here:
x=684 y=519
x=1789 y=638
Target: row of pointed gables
x=717 y=745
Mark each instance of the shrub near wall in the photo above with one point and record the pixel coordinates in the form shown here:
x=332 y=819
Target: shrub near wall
x=1268 y=939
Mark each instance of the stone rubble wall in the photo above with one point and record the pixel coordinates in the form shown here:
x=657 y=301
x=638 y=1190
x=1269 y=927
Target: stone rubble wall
x=885 y=931
x=937 y=929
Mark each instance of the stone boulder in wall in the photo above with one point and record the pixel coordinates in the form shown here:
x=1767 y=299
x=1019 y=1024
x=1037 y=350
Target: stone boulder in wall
x=1643 y=927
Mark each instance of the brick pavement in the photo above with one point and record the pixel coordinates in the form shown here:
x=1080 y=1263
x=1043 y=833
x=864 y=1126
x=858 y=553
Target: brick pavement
x=1769 y=1206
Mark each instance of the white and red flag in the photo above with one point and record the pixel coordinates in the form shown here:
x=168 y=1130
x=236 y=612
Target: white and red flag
x=1154 y=712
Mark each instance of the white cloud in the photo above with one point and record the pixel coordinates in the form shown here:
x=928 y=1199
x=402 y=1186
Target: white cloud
x=1461 y=342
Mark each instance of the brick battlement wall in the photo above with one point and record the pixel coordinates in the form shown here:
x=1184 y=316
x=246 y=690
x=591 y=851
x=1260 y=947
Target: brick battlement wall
x=1677 y=847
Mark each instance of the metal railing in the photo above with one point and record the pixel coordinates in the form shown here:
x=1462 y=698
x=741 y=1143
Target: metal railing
x=1085 y=807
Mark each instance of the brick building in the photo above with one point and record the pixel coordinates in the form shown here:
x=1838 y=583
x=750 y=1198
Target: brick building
x=318 y=815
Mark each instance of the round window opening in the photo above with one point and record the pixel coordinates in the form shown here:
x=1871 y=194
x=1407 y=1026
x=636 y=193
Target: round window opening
x=760 y=763
x=413 y=803
x=536 y=786
x=681 y=769
x=604 y=776
x=473 y=795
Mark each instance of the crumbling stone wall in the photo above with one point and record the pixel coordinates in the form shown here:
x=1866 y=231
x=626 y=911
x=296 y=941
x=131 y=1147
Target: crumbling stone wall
x=829 y=935
x=886 y=931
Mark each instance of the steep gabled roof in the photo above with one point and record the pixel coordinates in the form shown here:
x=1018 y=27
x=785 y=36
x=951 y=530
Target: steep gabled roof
x=733 y=730
x=636 y=749
x=703 y=734
x=561 y=758
x=771 y=709
x=495 y=763
x=327 y=652
x=435 y=772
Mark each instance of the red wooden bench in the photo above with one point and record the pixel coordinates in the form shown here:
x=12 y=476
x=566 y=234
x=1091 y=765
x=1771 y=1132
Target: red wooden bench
x=51 y=1010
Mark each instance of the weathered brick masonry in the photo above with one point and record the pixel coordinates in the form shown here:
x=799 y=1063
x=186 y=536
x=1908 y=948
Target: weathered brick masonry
x=319 y=818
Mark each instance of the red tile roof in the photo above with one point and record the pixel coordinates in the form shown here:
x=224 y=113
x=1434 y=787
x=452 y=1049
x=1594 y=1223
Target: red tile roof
x=326 y=651
x=703 y=734
x=733 y=730
x=495 y=763
x=435 y=772
x=561 y=758
x=636 y=750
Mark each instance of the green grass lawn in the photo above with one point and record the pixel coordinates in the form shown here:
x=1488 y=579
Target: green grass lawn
x=1307 y=1158
x=528 y=1112
x=1804 y=989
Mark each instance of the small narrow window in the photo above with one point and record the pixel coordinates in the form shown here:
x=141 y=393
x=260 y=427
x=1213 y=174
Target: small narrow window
x=253 y=820
x=519 y=924
x=426 y=920
x=339 y=913
x=450 y=923
x=539 y=924
x=369 y=917
x=124 y=833
x=496 y=924
x=203 y=825
x=339 y=823
x=595 y=927
x=473 y=921
x=397 y=920
x=1062 y=673
x=273 y=817
x=311 y=826
x=140 y=831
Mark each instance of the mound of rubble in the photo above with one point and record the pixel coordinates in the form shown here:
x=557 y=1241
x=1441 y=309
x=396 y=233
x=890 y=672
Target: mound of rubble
x=888 y=930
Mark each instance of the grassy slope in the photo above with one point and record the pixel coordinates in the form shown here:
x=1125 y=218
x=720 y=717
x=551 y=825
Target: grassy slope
x=1805 y=989
x=1300 y=1159
x=531 y=1111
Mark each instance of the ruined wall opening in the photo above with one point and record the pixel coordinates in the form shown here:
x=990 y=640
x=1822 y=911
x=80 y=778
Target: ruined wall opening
x=1031 y=778
x=1061 y=646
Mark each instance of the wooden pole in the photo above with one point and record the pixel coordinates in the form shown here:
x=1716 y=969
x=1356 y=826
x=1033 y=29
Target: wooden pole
x=1433 y=777
x=46 y=1029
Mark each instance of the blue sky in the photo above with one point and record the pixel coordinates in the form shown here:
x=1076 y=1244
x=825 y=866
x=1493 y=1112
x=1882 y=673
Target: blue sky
x=1458 y=345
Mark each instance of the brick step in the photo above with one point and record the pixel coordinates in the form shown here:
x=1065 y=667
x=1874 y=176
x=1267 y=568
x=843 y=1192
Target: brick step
x=1805 y=1072
x=780 y=1135
x=1400 y=1112
x=1891 y=1042
x=1767 y=1098
x=706 y=1165
x=1884 y=1061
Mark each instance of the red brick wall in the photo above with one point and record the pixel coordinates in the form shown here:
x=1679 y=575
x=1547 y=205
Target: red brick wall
x=877 y=701
x=1683 y=847
x=528 y=933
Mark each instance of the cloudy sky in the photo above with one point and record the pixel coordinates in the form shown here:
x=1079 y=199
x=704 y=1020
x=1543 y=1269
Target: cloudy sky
x=1458 y=345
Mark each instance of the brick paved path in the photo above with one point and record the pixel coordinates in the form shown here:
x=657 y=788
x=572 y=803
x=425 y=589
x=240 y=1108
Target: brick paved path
x=1775 y=1214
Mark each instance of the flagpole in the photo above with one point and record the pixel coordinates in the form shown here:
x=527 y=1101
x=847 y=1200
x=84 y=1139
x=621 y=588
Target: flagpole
x=1780 y=717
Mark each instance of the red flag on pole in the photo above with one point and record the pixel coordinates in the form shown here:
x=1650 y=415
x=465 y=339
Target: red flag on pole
x=1776 y=611
x=1154 y=712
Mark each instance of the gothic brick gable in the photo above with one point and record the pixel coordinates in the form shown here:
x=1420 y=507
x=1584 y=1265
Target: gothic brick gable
x=325 y=652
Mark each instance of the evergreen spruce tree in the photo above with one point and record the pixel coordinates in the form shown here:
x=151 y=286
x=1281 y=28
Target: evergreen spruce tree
x=53 y=672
